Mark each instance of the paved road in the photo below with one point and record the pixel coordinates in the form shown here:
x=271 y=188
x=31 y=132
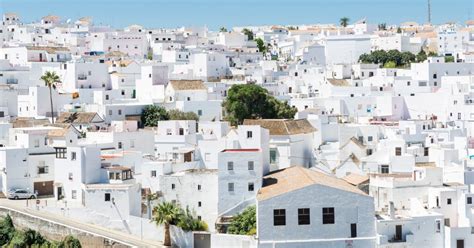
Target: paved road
x=117 y=236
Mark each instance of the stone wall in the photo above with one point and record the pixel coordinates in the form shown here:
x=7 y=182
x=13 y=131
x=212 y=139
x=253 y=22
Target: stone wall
x=56 y=231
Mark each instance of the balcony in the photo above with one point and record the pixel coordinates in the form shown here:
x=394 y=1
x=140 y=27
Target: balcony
x=12 y=81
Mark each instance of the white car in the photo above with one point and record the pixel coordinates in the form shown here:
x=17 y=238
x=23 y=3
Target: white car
x=21 y=194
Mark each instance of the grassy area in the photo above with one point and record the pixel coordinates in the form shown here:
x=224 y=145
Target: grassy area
x=13 y=238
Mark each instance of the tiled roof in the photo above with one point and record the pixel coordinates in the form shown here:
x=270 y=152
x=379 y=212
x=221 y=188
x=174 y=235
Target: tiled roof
x=29 y=122
x=187 y=85
x=295 y=178
x=282 y=126
x=77 y=117
x=48 y=49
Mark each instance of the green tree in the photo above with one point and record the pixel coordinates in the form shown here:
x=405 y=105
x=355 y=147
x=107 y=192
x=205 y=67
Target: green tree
x=51 y=79
x=399 y=30
x=149 y=55
x=421 y=56
x=261 y=45
x=407 y=58
x=33 y=237
x=248 y=32
x=70 y=242
x=449 y=59
x=7 y=230
x=223 y=30
x=250 y=101
x=244 y=223
x=390 y=64
x=344 y=21
x=188 y=222
x=166 y=214
x=175 y=114
x=18 y=240
x=151 y=114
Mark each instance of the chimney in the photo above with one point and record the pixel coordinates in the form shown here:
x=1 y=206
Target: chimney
x=391 y=210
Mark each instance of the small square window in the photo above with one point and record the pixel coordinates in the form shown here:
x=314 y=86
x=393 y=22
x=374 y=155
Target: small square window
x=469 y=200
x=199 y=204
x=230 y=187
x=230 y=166
x=173 y=186
x=107 y=197
x=199 y=186
x=250 y=166
x=449 y=201
x=328 y=216
x=251 y=187
x=249 y=134
x=153 y=173
x=279 y=217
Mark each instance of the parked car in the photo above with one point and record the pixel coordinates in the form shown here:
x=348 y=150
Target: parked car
x=21 y=194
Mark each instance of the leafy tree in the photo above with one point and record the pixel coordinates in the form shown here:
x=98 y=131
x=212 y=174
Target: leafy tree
x=432 y=54
x=292 y=28
x=70 y=242
x=51 y=79
x=261 y=45
x=382 y=57
x=250 y=101
x=344 y=21
x=33 y=237
x=151 y=114
x=421 y=56
x=175 y=114
x=248 y=32
x=223 y=30
x=244 y=223
x=18 y=240
x=407 y=58
x=390 y=64
x=166 y=214
x=449 y=59
x=149 y=55
x=399 y=30
x=7 y=230
x=188 y=222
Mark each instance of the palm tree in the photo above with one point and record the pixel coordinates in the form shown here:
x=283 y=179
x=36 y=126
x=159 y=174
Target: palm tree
x=344 y=21
x=51 y=79
x=166 y=214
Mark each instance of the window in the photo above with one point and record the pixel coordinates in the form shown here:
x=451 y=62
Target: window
x=469 y=200
x=370 y=138
x=273 y=156
x=303 y=216
x=199 y=204
x=119 y=112
x=43 y=170
x=250 y=165
x=70 y=176
x=230 y=187
x=61 y=153
x=328 y=215
x=200 y=112
x=107 y=197
x=426 y=151
x=251 y=187
x=74 y=194
x=446 y=222
x=106 y=97
x=449 y=201
x=384 y=169
x=73 y=155
x=230 y=166
x=153 y=173
x=398 y=151
x=353 y=230
x=199 y=186
x=110 y=112
x=188 y=98
x=369 y=152
x=120 y=145
x=438 y=226
x=173 y=186
x=279 y=217
x=249 y=134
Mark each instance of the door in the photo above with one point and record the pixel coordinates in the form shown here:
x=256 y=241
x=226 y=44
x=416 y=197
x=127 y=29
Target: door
x=202 y=240
x=41 y=57
x=44 y=188
x=460 y=243
x=398 y=232
x=60 y=193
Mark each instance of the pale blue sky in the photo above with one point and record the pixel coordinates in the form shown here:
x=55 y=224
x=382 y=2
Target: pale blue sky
x=216 y=13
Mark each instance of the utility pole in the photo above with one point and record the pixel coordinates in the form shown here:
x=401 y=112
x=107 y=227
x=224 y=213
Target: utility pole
x=429 y=11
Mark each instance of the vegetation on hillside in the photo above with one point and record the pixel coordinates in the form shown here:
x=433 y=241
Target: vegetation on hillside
x=13 y=238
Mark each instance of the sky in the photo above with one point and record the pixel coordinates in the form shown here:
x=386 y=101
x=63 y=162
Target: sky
x=229 y=13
